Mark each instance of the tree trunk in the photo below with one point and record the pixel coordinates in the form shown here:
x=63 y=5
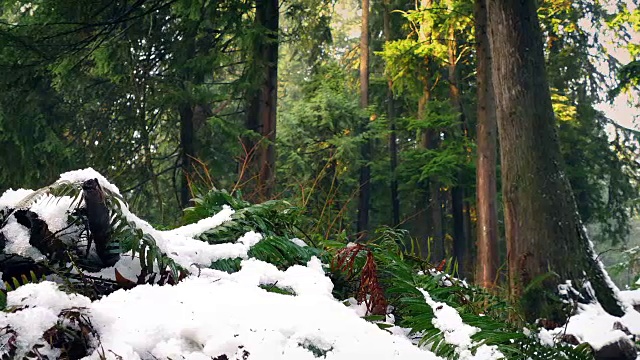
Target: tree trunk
x=258 y=173
x=470 y=259
x=187 y=136
x=365 y=170
x=487 y=231
x=393 y=147
x=459 y=240
x=187 y=151
x=543 y=229
x=436 y=216
x=430 y=139
x=457 y=192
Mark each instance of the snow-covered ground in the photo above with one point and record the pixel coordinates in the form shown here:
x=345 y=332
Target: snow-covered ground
x=216 y=315
x=210 y=314
x=595 y=326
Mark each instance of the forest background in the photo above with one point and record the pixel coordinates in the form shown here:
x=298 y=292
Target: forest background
x=376 y=112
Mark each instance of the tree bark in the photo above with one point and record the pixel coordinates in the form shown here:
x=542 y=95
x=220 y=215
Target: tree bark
x=457 y=192
x=543 y=229
x=187 y=134
x=433 y=245
x=470 y=260
x=258 y=173
x=187 y=151
x=486 y=188
x=393 y=147
x=459 y=240
x=364 y=196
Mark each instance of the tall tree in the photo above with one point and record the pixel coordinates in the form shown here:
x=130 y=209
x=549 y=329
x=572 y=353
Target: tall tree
x=543 y=229
x=187 y=136
x=486 y=197
x=364 y=198
x=457 y=191
x=393 y=146
x=258 y=170
x=429 y=140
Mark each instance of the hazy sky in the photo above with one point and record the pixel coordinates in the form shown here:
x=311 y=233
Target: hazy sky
x=621 y=111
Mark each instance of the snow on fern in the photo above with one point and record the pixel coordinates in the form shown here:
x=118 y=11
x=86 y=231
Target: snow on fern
x=457 y=333
x=209 y=314
x=258 y=312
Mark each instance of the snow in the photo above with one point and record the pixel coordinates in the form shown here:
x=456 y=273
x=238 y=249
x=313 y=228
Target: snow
x=616 y=291
x=45 y=294
x=179 y=242
x=631 y=296
x=44 y=302
x=53 y=210
x=592 y=324
x=547 y=337
x=359 y=309
x=11 y=197
x=128 y=266
x=298 y=242
x=79 y=176
x=29 y=325
x=457 y=333
x=210 y=316
x=18 y=240
x=213 y=313
x=201 y=226
x=188 y=251
x=210 y=313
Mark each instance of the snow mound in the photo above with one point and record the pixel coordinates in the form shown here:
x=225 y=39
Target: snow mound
x=209 y=314
x=217 y=314
x=593 y=325
x=457 y=333
x=213 y=314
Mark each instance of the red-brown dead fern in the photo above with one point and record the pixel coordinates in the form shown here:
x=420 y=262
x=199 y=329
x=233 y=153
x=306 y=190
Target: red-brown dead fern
x=346 y=257
x=370 y=292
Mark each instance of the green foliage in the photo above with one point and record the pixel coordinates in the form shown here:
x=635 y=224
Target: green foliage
x=132 y=239
x=276 y=290
x=320 y=147
x=628 y=264
x=628 y=77
x=402 y=276
x=277 y=221
x=600 y=156
x=106 y=84
x=602 y=171
x=125 y=236
x=274 y=217
x=399 y=274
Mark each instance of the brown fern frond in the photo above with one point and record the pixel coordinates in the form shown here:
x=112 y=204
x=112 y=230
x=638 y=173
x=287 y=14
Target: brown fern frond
x=370 y=291
x=346 y=257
